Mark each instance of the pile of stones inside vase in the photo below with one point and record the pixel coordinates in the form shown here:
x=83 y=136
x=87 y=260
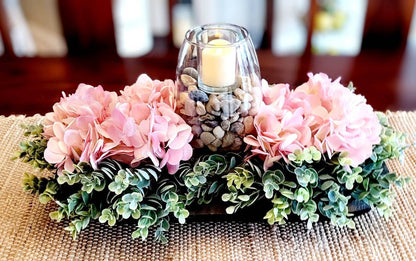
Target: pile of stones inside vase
x=219 y=120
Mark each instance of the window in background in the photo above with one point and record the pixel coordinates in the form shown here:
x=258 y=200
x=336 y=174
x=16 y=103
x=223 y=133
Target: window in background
x=43 y=21
x=289 y=30
x=132 y=27
x=21 y=38
x=182 y=20
x=159 y=17
x=247 y=13
x=1 y=46
x=338 y=27
x=411 y=42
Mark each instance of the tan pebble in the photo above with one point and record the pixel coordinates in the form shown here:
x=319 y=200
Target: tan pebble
x=244 y=107
x=206 y=117
x=228 y=139
x=225 y=125
x=200 y=108
x=215 y=113
x=190 y=108
x=187 y=80
x=237 y=144
x=213 y=103
x=192 y=121
x=237 y=127
x=207 y=137
x=191 y=72
x=192 y=88
x=239 y=93
x=218 y=132
x=248 y=124
x=206 y=127
x=253 y=111
x=217 y=143
x=212 y=147
x=230 y=106
x=234 y=117
x=183 y=97
x=196 y=130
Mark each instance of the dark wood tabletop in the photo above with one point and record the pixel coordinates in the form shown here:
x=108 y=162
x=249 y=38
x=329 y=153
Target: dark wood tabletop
x=32 y=85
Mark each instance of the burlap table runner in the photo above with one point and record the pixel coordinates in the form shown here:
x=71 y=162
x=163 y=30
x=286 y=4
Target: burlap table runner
x=27 y=233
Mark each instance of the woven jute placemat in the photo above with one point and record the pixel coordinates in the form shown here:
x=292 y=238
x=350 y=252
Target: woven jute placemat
x=27 y=233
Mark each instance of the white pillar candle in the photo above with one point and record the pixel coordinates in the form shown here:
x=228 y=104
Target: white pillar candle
x=218 y=64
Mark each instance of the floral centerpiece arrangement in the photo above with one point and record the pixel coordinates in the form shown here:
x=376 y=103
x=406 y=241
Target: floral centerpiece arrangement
x=314 y=151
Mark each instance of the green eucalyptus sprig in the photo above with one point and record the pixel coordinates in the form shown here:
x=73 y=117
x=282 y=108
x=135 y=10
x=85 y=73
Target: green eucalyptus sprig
x=31 y=151
x=307 y=184
x=203 y=180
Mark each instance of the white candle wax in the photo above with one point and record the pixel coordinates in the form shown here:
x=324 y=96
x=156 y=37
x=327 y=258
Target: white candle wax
x=218 y=64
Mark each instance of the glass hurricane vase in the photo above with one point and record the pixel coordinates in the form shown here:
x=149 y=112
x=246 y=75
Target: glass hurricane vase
x=219 y=87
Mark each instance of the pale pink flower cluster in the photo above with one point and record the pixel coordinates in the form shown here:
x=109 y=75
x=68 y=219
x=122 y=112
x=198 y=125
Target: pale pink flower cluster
x=93 y=124
x=320 y=113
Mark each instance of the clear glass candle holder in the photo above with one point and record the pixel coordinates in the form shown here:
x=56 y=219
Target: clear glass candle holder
x=218 y=77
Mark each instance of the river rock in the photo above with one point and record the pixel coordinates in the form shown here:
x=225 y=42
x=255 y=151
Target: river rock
x=213 y=104
x=206 y=117
x=183 y=97
x=191 y=72
x=200 y=108
x=237 y=143
x=224 y=96
x=225 y=116
x=248 y=124
x=212 y=147
x=234 y=117
x=206 y=127
x=216 y=113
x=239 y=93
x=189 y=108
x=253 y=110
x=245 y=107
x=192 y=88
x=207 y=137
x=225 y=125
x=228 y=107
x=228 y=139
x=196 y=130
x=216 y=143
x=198 y=95
x=237 y=127
x=187 y=80
x=192 y=121
x=211 y=124
x=218 y=132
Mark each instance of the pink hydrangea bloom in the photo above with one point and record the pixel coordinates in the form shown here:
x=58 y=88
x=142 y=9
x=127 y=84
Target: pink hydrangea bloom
x=71 y=127
x=321 y=113
x=343 y=121
x=139 y=131
x=150 y=91
x=167 y=136
x=93 y=124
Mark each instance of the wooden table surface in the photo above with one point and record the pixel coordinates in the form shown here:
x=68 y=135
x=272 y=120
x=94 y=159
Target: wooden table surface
x=32 y=85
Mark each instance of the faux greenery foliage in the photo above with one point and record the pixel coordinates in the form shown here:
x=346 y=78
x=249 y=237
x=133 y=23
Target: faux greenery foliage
x=309 y=186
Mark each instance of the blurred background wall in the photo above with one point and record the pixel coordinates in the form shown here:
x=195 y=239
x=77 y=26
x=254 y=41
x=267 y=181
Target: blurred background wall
x=339 y=27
